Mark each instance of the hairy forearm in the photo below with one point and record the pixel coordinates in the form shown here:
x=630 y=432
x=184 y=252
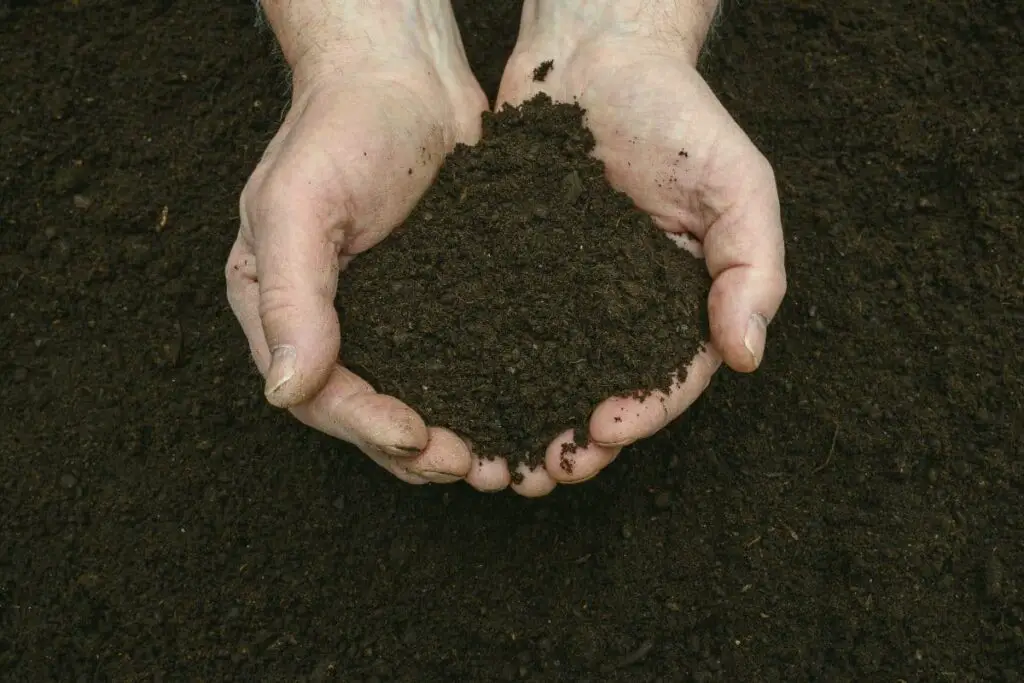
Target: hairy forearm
x=316 y=30
x=300 y=26
x=684 y=21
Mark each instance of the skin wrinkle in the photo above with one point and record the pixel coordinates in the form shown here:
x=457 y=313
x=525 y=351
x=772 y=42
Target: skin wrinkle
x=372 y=212
x=426 y=25
x=560 y=22
x=683 y=178
x=347 y=174
x=431 y=47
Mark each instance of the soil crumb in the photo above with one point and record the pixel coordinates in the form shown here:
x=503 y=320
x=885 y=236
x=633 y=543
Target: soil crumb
x=522 y=291
x=542 y=71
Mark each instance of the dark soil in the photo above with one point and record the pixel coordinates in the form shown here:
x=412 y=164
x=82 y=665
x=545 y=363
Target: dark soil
x=851 y=512
x=522 y=291
x=542 y=70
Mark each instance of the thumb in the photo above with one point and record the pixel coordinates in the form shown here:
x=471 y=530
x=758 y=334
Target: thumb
x=297 y=267
x=745 y=256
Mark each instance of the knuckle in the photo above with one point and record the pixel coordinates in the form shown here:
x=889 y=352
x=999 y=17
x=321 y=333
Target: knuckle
x=259 y=197
x=266 y=192
x=250 y=194
x=238 y=267
x=765 y=169
x=277 y=301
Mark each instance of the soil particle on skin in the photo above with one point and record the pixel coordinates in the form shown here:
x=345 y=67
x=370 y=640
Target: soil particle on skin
x=542 y=71
x=522 y=291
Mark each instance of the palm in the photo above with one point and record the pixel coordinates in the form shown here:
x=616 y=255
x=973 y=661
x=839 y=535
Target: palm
x=342 y=156
x=665 y=139
x=347 y=165
x=668 y=143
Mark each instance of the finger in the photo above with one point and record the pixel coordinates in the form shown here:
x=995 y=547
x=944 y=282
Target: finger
x=446 y=458
x=488 y=475
x=618 y=421
x=244 y=299
x=394 y=466
x=533 y=482
x=297 y=273
x=745 y=256
x=568 y=463
x=349 y=409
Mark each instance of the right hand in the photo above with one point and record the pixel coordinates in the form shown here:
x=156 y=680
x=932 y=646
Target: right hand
x=368 y=128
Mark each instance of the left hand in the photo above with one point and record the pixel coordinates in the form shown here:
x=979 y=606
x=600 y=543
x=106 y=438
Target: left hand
x=668 y=143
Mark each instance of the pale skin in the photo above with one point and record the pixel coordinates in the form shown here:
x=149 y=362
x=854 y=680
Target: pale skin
x=381 y=86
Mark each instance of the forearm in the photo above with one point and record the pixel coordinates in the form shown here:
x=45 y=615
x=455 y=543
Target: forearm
x=300 y=26
x=318 y=30
x=684 y=21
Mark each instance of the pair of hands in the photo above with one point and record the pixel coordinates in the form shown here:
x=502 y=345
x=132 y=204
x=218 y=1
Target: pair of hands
x=335 y=181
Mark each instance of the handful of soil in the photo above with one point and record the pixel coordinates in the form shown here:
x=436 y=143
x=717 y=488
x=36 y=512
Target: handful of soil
x=522 y=291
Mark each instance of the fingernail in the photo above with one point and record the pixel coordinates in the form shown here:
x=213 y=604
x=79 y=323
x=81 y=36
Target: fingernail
x=754 y=339
x=402 y=451
x=440 y=477
x=282 y=369
x=615 y=444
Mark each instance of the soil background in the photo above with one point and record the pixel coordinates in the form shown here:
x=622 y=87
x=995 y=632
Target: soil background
x=851 y=512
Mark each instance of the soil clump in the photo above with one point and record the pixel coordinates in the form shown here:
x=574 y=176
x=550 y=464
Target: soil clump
x=522 y=291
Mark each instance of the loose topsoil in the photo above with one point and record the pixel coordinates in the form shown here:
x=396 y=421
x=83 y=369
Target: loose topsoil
x=851 y=512
x=522 y=291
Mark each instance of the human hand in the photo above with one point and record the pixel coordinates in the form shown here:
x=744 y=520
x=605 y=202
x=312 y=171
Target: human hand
x=379 y=97
x=669 y=144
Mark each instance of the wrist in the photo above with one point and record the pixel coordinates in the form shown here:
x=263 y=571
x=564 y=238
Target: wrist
x=679 y=25
x=325 y=36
